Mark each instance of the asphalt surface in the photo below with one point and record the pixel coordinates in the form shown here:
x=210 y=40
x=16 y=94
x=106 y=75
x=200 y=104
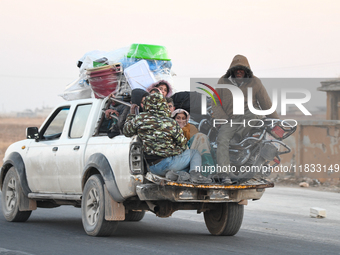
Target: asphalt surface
x=279 y=223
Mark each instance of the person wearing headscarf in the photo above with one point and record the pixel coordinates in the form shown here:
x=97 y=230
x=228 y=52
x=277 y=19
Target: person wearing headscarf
x=163 y=86
x=196 y=140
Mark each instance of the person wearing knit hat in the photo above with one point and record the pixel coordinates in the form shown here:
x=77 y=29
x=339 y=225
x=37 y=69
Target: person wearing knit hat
x=120 y=112
x=163 y=86
x=137 y=96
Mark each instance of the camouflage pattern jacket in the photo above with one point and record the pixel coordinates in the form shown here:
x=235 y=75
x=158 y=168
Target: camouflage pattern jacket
x=161 y=135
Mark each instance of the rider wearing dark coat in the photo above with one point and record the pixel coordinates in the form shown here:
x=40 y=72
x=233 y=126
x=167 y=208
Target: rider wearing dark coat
x=239 y=74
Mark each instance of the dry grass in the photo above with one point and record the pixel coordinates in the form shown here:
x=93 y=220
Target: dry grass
x=14 y=129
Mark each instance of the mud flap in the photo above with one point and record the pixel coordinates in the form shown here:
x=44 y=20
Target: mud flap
x=114 y=211
x=243 y=202
x=26 y=204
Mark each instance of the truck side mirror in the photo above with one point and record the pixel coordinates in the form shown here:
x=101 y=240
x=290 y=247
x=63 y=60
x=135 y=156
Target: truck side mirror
x=32 y=133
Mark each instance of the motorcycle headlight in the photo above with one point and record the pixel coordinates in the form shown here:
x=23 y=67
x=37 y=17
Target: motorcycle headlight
x=268 y=151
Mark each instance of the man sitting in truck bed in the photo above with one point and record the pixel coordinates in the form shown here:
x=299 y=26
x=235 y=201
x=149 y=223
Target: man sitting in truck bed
x=164 y=143
x=121 y=111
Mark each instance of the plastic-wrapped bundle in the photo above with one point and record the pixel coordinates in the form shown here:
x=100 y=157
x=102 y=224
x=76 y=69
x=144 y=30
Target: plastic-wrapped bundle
x=77 y=90
x=123 y=88
x=104 y=80
x=87 y=60
x=103 y=83
x=113 y=57
x=155 y=55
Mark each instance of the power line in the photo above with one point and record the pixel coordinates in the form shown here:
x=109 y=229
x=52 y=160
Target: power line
x=35 y=77
x=287 y=67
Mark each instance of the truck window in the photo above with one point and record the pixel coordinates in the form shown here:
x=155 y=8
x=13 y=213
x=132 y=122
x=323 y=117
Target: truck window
x=79 y=120
x=56 y=125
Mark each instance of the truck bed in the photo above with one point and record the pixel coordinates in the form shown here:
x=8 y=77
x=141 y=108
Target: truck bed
x=160 y=188
x=254 y=183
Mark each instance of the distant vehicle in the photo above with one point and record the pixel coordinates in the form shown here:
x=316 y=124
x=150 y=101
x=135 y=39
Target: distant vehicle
x=70 y=160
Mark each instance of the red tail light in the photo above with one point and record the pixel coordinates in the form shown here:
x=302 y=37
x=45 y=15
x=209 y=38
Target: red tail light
x=277 y=132
x=276 y=161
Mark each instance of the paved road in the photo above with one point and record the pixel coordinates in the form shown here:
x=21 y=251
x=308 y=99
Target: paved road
x=279 y=223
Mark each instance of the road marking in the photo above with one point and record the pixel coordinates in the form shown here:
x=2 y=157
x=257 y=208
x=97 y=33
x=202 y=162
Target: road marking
x=12 y=252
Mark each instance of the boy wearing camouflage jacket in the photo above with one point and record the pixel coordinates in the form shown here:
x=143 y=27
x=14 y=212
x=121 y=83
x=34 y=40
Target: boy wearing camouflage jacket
x=164 y=143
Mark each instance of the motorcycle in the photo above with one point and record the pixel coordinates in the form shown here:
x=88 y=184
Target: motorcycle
x=255 y=154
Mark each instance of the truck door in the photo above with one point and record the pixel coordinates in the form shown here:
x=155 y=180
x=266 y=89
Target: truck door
x=41 y=163
x=70 y=157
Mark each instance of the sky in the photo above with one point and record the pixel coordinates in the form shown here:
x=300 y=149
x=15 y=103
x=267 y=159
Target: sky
x=41 y=41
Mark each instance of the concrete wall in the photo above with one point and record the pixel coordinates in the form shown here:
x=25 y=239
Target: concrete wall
x=333 y=105
x=314 y=142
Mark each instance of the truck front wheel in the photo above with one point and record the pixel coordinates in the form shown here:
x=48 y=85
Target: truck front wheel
x=93 y=209
x=225 y=219
x=10 y=198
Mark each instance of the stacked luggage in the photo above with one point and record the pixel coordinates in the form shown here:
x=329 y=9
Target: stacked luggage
x=120 y=71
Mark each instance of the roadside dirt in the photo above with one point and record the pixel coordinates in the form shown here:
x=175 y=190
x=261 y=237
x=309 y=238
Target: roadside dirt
x=14 y=129
x=322 y=184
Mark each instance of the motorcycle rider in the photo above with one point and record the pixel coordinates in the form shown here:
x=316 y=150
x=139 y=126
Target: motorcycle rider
x=239 y=74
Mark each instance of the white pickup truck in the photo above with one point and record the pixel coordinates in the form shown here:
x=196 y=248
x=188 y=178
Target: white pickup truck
x=70 y=160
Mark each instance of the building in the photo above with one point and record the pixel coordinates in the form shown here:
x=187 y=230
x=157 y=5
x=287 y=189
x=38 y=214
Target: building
x=332 y=88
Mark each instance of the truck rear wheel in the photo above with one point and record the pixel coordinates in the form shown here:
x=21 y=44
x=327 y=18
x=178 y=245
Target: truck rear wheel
x=10 y=198
x=225 y=219
x=134 y=216
x=93 y=209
